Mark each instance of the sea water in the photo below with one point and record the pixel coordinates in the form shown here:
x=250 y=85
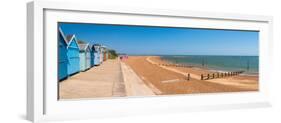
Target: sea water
x=249 y=64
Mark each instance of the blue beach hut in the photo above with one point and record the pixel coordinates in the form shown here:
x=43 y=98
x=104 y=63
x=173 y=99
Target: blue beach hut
x=62 y=58
x=92 y=52
x=93 y=55
x=85 y=56
x=96 y=50
x=73 y=65
x=88 y=57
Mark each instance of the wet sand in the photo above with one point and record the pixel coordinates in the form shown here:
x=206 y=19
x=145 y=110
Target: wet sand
x=172 y=80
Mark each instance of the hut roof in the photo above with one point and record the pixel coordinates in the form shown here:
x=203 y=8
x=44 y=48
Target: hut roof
x=92 y=47
x=97 y=45
x=104 y=47
x=83 y=47
x=69 y=37
x=64 y=38
x=81 y=42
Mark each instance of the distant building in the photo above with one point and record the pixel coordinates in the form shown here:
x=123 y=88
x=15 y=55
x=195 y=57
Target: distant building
x=123 y=56
x=73 y=65
x=85 y=56
x=62 y=56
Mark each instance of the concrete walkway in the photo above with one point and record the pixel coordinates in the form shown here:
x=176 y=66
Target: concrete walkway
x=133 y=84
x=100 y=81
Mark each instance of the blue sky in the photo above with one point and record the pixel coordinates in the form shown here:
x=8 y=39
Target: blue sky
x=144 y=40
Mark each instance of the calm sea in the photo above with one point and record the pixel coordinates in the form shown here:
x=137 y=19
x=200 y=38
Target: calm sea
x=249 y=64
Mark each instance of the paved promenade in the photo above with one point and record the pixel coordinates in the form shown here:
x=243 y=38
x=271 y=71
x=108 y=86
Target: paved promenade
x=133 y=84
x=105 y=80
x=111 y=79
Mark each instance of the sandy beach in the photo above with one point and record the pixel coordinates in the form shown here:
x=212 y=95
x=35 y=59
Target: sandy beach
x=172 y=80
x=144 y=76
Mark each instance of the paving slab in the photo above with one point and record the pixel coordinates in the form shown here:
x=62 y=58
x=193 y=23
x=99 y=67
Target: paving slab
x=105 y=80
x=133 y=83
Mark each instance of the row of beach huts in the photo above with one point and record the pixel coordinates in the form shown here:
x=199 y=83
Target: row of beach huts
x=77 y=56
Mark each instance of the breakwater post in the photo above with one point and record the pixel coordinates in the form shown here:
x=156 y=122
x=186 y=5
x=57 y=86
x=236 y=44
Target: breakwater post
x=220 y=75
x=176 y=65
x=188 y=77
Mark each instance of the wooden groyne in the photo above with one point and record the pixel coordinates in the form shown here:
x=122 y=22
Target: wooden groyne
x=187 y=77
x=219 y=75
x=175 y=65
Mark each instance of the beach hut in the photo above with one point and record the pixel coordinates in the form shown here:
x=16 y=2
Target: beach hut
x=101 y=53
x=105 y=56
x=73 y=65
x=62 y=58
x=96 y=50
x=104 y=52
x=92 y=52
x=85 y=56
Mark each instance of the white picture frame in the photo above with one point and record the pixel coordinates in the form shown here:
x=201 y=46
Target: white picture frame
x=42 y=103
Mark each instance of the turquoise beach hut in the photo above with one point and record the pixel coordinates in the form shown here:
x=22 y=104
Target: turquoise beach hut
x=62 y=58
x=73 y=65
x=85 y=56
x=96 y=50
